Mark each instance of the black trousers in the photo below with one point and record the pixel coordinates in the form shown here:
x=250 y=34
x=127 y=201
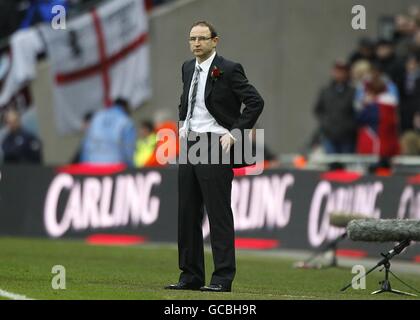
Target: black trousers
x=206 y=185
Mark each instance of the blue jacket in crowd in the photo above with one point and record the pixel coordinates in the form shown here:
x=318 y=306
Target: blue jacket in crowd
x=111 y=138
x=40 y=11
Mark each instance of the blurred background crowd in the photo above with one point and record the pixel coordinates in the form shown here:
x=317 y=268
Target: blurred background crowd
x=113 y=136
x=18 y=14
x=372 y=103
x=370 y=106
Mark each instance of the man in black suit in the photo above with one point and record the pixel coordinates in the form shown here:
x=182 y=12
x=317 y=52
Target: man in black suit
x=214 y=89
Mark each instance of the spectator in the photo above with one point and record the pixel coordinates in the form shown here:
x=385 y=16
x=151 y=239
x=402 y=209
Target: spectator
x=360 y=71
x=40 y=11
x=335 y=114
x=375 y=74
x=409 y=88
x=378 y=121
x=405 y=28
x=20 y=146
x=146 y=143
x=410 y=141
x=415 y=44
x=387 y=60
x=85 y=126
x=365 y=51
x=111 y=137
x=167 y=142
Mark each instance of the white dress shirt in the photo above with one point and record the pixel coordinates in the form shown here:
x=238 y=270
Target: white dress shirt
x=202 y=121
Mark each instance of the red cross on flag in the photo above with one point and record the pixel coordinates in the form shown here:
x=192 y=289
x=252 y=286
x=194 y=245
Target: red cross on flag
x=102 y=55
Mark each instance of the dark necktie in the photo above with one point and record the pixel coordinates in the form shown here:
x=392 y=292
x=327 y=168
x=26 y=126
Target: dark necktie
x=194 y=94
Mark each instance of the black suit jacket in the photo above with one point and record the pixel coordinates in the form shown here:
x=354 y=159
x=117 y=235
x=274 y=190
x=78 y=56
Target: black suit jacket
x=225 y=95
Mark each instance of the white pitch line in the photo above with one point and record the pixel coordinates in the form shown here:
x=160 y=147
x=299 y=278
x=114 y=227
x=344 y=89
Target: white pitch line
x=13 y=296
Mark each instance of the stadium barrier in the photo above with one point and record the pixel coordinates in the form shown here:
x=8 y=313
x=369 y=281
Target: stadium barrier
x=287 y=209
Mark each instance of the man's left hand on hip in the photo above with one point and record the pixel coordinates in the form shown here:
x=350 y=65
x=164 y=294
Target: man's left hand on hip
x=227 y=141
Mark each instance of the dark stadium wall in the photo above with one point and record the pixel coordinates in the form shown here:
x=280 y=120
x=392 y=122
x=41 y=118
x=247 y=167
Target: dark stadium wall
x=286 y=47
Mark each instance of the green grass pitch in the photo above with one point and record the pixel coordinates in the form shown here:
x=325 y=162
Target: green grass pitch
x=141 y=272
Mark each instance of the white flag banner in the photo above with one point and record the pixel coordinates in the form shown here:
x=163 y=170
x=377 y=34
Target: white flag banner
x=18 y=65
x=102 y=55
x=17 y=70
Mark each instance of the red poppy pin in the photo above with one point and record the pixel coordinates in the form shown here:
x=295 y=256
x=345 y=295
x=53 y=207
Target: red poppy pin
x=216 y=73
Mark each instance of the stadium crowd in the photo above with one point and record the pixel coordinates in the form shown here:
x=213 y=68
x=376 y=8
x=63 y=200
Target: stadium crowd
x=18 y=14
x=19 y=141
x=372 y=103
x=370 y=106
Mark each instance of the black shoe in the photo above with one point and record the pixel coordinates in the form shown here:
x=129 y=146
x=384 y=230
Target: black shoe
x=216 y=288
x=183 y=286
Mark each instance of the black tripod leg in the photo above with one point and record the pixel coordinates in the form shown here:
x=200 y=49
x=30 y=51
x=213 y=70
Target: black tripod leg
x=402 y=293
x=351 y=283
x=378 y=291
x=386 y=284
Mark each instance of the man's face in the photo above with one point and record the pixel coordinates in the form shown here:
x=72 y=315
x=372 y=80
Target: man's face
x=366 y=51
x=411 y=65
x=384 y=51
x=144 y=132
x=12 y=120
x=201 y=43
x=339 y=74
